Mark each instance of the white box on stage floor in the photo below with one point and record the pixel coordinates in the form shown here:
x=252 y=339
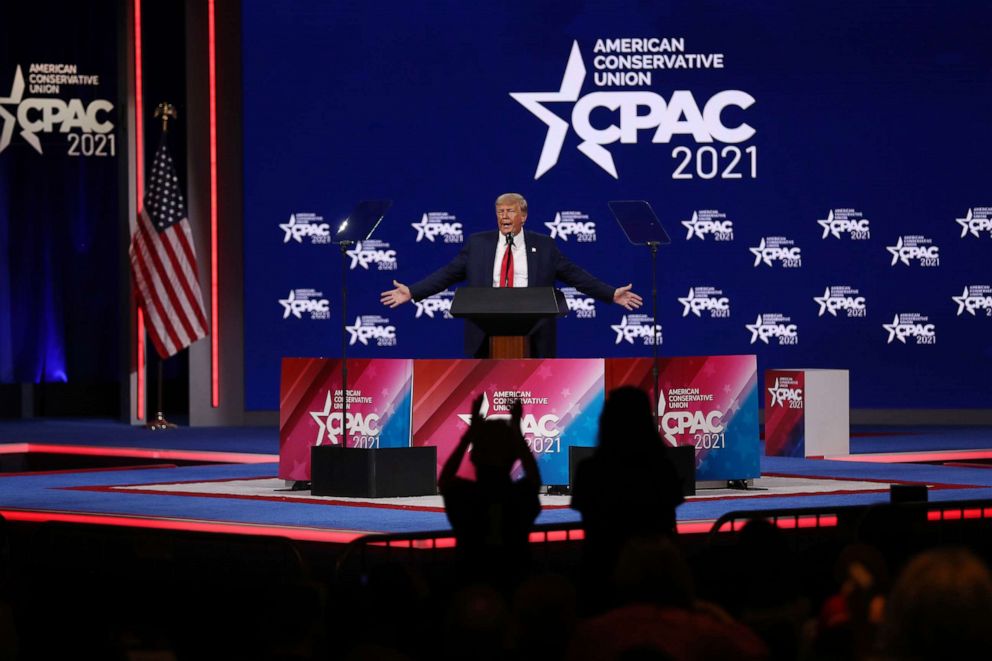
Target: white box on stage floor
x=807 y=413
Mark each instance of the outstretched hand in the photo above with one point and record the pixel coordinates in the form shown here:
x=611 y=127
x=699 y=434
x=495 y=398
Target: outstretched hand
x=477 y=410
x=628 y=299
x=516 y=417
x=394 y=297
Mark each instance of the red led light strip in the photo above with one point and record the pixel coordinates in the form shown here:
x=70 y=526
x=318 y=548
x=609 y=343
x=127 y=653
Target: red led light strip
x=909 y=457
x=305 y=534
x=214 y=323
x=139 y=179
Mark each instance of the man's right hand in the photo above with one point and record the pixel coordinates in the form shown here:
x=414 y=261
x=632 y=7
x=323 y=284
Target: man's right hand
x=394 y=297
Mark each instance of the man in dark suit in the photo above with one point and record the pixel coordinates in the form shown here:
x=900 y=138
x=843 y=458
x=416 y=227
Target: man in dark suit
x=511 y=257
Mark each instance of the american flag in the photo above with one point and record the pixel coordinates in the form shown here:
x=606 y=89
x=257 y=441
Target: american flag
x=163 y=263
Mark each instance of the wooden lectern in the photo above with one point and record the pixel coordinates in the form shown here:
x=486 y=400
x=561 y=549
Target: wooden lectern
x=508 y=314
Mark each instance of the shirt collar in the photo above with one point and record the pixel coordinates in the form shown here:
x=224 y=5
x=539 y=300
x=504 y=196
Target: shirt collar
x=518 y=239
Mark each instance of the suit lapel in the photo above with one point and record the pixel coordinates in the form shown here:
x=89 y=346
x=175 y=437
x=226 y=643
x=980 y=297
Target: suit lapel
x=531 y=258
x=490 y=255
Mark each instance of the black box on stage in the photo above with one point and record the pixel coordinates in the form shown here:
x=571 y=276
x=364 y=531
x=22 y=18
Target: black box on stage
x=908 y=493
x=577 y=453
x=683 y=457
x=373 y=473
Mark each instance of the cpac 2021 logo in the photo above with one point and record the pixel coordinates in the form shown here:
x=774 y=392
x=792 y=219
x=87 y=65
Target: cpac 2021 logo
x=974 y=298
x=705 y=299
x=305 y=301
x=913 y=325
x=838 y=298
x=845 y=221
x=629 y=113
x=372 y=327
x=306 y=226
x=976 y=221
x=786 y=393
x=579 y=304
x=777 y=249
x=572 y=223
x=542 y=433
x=705 y=427
x=709 y=222
x=914 y=248
x=773 y=326
x=87 y=126
x=637 y=326
x=373 y=252
x=439 y=304
x=363 y=428
x=439 y=224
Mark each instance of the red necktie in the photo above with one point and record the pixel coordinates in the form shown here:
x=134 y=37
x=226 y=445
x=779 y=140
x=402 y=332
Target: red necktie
x=506 y=279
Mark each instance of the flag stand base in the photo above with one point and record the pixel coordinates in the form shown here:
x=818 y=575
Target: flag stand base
x=159 y=423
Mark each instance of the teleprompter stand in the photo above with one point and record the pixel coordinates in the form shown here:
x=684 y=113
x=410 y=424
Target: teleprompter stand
x=337 y=470
x=508 y=315
x=642 y=227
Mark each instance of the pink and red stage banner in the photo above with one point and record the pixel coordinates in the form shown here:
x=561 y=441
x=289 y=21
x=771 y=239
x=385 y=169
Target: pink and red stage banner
x=785 y=413
x=709 y=402
x=562 y=401
x=379 y=396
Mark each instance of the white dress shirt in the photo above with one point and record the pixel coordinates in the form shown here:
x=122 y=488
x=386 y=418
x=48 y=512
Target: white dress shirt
x=519 y=261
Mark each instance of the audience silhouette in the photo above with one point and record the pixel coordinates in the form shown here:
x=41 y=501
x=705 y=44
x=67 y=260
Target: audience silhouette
x=658 y=615
x=492 y=516
x=940 y=608
x=628 y=488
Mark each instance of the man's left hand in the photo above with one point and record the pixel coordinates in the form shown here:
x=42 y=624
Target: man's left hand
x=623 y=296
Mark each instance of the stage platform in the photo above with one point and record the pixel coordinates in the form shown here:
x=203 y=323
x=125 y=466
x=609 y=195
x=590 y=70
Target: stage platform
x=224 y=480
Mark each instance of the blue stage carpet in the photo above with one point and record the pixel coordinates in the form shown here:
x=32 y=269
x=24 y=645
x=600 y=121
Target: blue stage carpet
x=83 y=495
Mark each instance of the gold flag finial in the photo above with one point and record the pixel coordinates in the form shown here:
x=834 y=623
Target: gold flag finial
x=165 y=110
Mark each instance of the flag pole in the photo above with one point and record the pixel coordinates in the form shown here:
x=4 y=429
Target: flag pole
x=159 y=423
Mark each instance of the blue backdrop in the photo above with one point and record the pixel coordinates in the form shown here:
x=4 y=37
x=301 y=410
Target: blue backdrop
x=795 y=151
x=59 y=215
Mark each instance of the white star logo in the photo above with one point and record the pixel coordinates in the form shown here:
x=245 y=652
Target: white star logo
x=755 y=332
x=287 y=303
x=893 y=328
x=321 y=418
x=356 y=256
x=822 y=300
x=691 y=226
x=962 y=302
x=571 y=85
x=895 y=250
x=483 y=412
x=778 y=394
x=759 y=254
x=9 y=120
x=825 y=224
x=356 y=332
x=288 y=228
x=421 y=228
x=555 y=227
x=965 y=222
x=620 y=330
x=687 y=302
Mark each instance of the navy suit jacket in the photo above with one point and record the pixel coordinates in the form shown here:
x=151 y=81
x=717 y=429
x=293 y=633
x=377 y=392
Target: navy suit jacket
x=545 y=265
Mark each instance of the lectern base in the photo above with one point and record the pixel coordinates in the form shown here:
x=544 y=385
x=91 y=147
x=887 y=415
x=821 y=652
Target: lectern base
x=509 y=346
